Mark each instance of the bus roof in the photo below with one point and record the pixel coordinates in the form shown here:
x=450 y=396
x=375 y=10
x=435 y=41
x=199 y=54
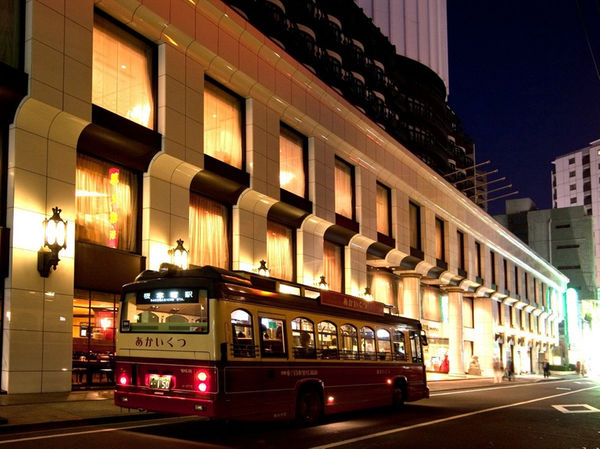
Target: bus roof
x=294 y=294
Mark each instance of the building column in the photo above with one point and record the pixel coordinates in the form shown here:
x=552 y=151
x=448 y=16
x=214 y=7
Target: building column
x=484 y=330
x=455 y=331
x=411 y=294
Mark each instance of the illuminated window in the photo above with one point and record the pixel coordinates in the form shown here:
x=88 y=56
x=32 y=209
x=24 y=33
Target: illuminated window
x=333 y=265
x=209 y=232
x=280 y=251
x=349 y=341
x=399 y=345
x=382 y=286
x=367 y=336
x=272 y=337
x=122 y=73
x=303 y=338
x=107 y=204
x=383 y=210
x=415 y=226
x=223 y=125
x=243 y=334
x=292 y=170
x=328 y=342
x=431 y=304
x=440 y=241
x=344 y=189
x=384 y=345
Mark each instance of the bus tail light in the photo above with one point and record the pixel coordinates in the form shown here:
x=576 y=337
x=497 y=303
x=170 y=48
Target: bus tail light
x=124 y=375
x=123 y=379
x=202 y=380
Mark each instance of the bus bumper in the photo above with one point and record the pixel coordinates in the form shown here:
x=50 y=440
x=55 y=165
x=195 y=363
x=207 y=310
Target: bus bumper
x=165 y=404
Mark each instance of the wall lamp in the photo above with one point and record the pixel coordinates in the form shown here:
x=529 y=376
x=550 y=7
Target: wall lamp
x=262 y=269
x=179 y=255
x=322 y=284
x=367 y=294
x=55 y=233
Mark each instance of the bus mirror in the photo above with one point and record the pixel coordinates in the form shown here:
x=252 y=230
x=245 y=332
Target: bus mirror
x=424 y=339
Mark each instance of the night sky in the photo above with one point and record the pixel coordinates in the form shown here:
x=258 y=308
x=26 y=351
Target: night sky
x=524 y=85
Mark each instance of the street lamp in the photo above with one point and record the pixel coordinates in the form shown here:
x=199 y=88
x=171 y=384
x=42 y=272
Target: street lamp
x=55 y=233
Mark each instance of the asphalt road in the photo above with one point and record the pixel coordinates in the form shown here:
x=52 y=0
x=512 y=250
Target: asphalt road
x=563 y=414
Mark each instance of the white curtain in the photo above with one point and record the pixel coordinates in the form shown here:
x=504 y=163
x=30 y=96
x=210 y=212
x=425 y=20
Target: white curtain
x=107 y=206
x=291 y=163
x=332 y=265
x=280 y=251
x=343 y=189
x=122 y=73
x=382 y=288
x=383 y=210
x=209 y=235
x=222 y=126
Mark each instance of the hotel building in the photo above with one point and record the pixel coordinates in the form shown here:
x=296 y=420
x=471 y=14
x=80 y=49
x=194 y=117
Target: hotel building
x=285 y=131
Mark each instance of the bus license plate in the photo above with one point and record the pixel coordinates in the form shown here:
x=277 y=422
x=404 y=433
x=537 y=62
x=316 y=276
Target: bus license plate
x=160 y=382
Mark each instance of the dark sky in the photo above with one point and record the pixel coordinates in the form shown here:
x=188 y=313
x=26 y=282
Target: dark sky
x=524 y=85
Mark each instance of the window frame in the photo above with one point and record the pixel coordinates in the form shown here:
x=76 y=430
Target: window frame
x=228 y=207
x=293 y=245
x=388 y=191
x=440 y=233
x=412 y=206
x=153 y=66
x=242 y=108
x=353 y=186
x=304 y=139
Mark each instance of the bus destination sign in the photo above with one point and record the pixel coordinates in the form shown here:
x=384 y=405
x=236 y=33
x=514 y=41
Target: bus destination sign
x=168 y=296
x=335 y=299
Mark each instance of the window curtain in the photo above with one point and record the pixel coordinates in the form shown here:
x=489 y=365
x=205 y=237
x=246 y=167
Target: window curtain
x=122 y=73
x=432 y=308
x=415 y=226
x=382 y=288
x=222 y=126
x=107 y=204
x=383 y=210
x=291 y=163
x=332 y=265
x=343 y=189
x=209 y=234
x=280 y=251
x=439 y=239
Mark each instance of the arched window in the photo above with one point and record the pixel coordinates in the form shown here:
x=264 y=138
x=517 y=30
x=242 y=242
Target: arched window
x=349 y=340
x=367 y=336
x=399 y=345
x=328 y=340
x=243 y=335
x=384 y=348
x=303 y=338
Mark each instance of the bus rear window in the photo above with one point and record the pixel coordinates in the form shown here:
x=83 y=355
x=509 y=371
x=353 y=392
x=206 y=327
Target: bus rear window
x=173 y=310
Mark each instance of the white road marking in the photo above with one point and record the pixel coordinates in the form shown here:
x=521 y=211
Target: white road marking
x=109 y=429
x=438 y=421
x=446 y=393
x=563 y=388
x=564 y=408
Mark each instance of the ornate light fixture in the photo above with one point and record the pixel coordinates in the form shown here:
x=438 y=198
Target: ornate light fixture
x=322 y=284
x=55 y=239
x=179 y=255
x=367 y=294
x=262 y=269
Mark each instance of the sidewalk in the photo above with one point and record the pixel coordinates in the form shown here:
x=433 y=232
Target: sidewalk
x=27 y=411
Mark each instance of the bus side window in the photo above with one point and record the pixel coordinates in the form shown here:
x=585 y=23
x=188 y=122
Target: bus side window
x=399 y=345
x=383 y=344
x=243 y=335
x=415 y=347
x=272 y=337
x=349 y=346
x=328 y=340
x=368 y=343
x=303 y=338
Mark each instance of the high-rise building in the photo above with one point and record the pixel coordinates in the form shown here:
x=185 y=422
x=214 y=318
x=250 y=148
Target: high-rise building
x=576 y=182
x=289 y=132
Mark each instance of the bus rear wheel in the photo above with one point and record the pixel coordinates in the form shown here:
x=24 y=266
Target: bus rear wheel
x=397 y=397
x=309 y=408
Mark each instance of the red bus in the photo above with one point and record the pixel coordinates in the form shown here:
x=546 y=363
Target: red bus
x=235 y=345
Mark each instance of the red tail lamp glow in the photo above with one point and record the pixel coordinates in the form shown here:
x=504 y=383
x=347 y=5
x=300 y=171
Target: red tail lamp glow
x=389 y=381
x=202 y=384
x=330 y=400
x=123 y=379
